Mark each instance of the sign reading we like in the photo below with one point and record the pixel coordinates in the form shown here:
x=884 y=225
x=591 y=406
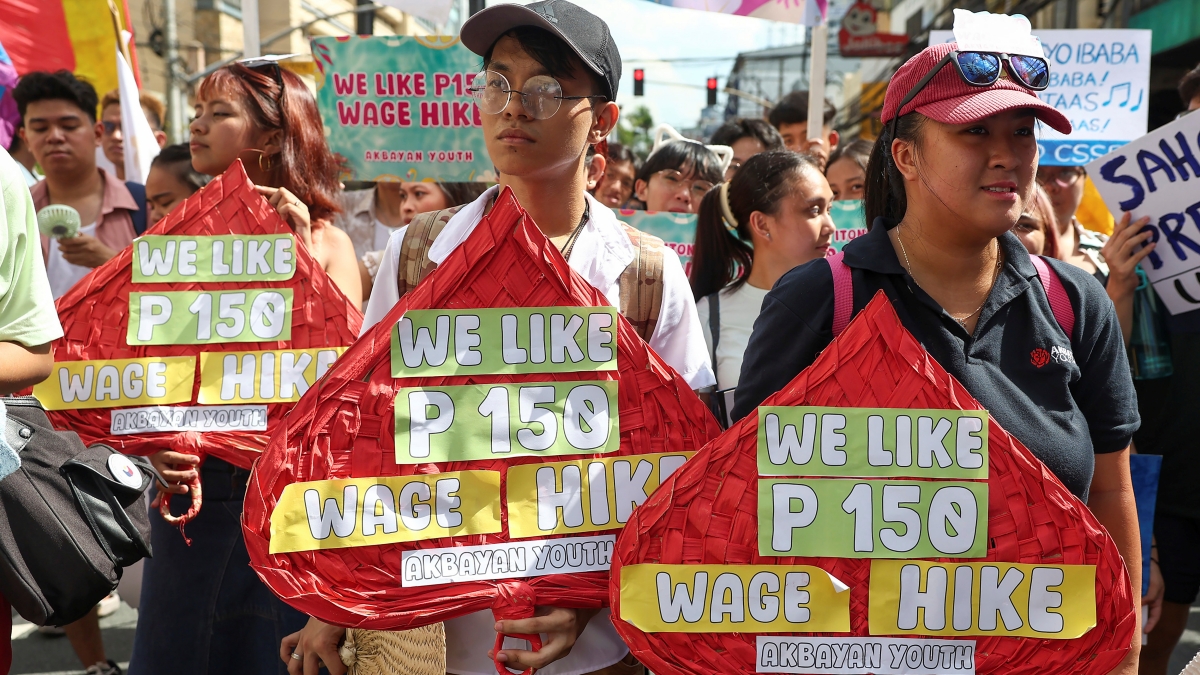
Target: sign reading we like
x=527 y=421
x=1156 y=176
x=214 y=323
x=869 y=518
x=397 y=108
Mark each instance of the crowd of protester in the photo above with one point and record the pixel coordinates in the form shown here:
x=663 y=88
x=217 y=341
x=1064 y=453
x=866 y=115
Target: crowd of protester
x=755 y=311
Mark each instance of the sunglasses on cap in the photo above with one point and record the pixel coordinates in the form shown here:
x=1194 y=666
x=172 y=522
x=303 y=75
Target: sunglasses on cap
x=273 y=69
x=983 y=69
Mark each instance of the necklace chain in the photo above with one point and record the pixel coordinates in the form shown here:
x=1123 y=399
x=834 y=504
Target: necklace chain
x=963 y=321
x=569 y=244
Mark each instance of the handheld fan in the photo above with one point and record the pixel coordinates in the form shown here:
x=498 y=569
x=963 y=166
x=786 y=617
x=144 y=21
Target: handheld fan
x=58 y=221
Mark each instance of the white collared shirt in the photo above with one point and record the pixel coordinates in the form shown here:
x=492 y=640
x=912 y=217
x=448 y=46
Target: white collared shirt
x=601 y=253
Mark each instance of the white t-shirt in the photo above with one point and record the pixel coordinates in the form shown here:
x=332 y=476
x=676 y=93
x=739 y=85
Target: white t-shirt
x=738 y=309
x=62 y=274
x=382 y=234
x=602 y=251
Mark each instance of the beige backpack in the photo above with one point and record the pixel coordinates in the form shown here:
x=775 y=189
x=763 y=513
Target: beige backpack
x=641 y=282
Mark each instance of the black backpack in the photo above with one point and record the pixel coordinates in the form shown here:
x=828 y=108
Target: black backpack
x=138 y=192
x=70 y=518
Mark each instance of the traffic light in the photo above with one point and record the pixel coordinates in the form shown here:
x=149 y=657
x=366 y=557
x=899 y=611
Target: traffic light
x=712 y=91
x=639 y=82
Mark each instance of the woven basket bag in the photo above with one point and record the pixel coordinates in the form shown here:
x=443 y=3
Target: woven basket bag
x=344 y=427
x=95 y=315
x=706 y=513
x=421 y=651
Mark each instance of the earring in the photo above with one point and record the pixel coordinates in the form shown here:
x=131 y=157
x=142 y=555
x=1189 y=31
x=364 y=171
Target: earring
x=262 y=168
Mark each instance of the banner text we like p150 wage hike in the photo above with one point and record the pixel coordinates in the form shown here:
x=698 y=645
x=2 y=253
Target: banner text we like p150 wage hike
x=397 y=108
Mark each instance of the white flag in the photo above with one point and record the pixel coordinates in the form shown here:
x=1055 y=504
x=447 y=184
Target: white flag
x=141 y=147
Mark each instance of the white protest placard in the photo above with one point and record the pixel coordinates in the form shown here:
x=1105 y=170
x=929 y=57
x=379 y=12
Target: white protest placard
x=1099 y=79
x=1158 y=175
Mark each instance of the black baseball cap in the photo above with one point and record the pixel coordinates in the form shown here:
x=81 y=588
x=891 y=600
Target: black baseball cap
x=585 y=33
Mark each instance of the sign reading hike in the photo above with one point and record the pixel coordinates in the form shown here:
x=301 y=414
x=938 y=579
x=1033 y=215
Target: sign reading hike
x=397 y=108
x=200 y=335
x=496 y=428
x=869 y=518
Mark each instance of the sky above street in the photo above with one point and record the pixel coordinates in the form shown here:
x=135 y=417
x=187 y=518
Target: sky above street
x=650 y=35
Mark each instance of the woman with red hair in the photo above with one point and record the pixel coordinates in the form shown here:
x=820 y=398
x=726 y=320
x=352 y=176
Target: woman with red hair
x=260 y=113
x=203 y=610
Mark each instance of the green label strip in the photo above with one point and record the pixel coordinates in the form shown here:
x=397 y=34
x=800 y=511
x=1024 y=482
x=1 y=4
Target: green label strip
x=534 y=419
x=872 y=518
x=227 y=257
x=210 y=317
x=815 y=441
x=437 y=343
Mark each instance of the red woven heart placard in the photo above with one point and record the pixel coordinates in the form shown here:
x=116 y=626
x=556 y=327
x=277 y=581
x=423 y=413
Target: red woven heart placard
x=706 y=514
x=95 y=314
x=344 y=429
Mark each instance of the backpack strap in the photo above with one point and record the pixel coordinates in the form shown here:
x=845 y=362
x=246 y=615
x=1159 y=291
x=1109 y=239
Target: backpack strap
x=138 y=191
x=1060 y=303
x=843 y=292
x=415 y=264
x=641 y=284
x=1056 y=293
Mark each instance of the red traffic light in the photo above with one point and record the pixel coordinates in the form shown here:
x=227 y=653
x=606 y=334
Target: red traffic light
x=639 y=82
x=712 y=91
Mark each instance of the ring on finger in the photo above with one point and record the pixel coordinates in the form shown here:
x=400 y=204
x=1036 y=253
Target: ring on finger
x=297 y=656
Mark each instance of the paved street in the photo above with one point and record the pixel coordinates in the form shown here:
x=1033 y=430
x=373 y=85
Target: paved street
x=37 y=654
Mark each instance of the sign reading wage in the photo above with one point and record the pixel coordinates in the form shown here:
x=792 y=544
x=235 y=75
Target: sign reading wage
x=869 y=518
x=199 y=336
x=397 y=108
x=496 y=428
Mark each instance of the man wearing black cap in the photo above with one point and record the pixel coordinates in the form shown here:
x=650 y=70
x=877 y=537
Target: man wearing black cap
x=546 y=96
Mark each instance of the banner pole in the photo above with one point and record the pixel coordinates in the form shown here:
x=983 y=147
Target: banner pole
x=816 y=81
x=250 y=36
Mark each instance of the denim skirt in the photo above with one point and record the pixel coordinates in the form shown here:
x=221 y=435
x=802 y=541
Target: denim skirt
x=203 y=610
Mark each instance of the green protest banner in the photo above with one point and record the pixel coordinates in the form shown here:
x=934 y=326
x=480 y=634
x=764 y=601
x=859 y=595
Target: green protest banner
x=872 y=518
x=490 y=421
x=677 y=230
x=850 y=221
x=816 y=441
x=504 y=341
x=397 y=108
x=209 y=317
x=221 y=258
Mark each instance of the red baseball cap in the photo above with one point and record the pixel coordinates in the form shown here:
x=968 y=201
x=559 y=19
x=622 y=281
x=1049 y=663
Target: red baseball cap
x=950 y=100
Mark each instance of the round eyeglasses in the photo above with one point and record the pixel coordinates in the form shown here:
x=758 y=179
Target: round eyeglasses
x=1063 y=177
x=541 y=96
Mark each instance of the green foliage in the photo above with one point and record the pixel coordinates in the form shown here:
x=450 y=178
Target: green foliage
x=633 y=131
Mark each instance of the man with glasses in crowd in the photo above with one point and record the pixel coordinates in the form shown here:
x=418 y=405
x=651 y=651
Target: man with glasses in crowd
x=547 y=94
x=112 y=141
x=1076 y=245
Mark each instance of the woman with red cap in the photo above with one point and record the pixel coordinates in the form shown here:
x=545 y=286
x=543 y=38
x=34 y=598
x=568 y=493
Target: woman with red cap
x=947 y=181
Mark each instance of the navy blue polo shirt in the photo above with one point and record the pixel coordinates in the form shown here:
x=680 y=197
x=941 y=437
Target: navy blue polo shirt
x=1079 y=403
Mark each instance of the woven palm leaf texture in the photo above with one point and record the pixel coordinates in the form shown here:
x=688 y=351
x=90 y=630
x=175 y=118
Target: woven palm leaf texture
x=344 y=428
x=705 y=513
x=95 y=315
